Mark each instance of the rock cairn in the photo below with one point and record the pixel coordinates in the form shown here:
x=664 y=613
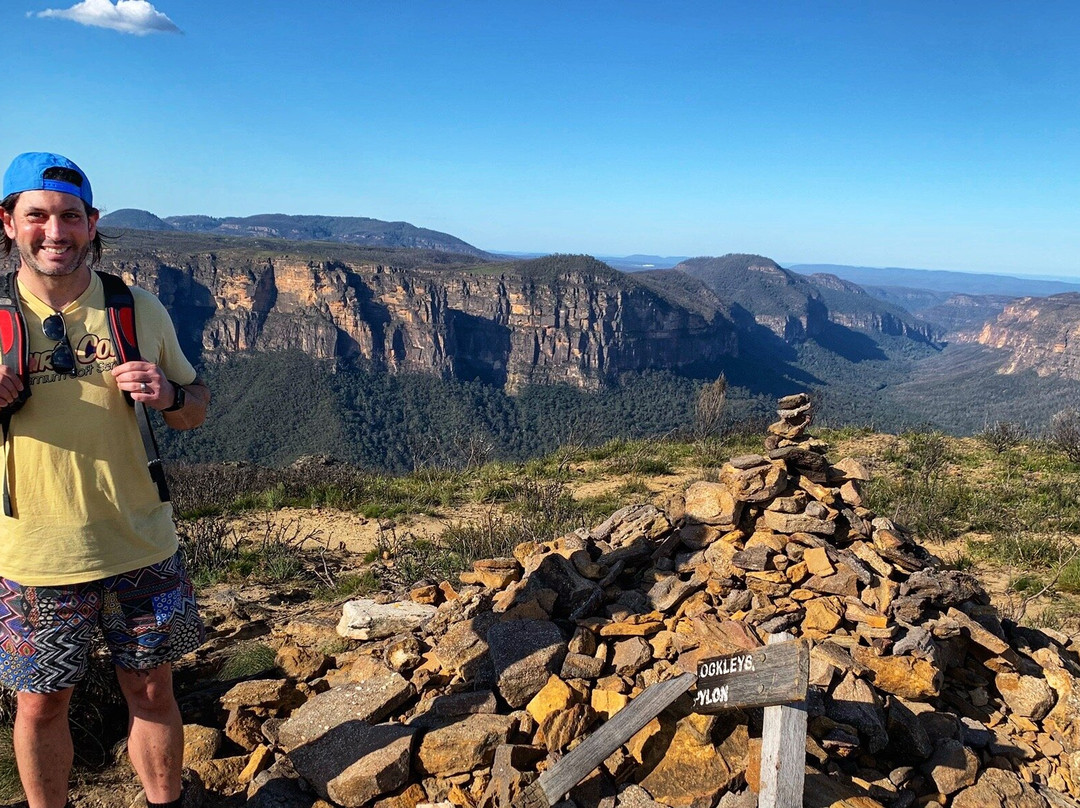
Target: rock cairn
x=460 y=694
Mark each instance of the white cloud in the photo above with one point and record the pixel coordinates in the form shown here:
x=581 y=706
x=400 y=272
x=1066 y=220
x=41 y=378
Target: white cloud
x=128 y=16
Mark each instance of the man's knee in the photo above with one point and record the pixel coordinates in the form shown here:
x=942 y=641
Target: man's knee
x=39 y=708
x=147 y=691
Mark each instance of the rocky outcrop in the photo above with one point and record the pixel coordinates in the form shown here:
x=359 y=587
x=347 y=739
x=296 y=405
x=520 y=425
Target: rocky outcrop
x=919 y=693
x=1039 y=333
x=579 y=326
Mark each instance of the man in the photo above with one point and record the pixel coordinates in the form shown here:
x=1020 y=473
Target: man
x=89 y=542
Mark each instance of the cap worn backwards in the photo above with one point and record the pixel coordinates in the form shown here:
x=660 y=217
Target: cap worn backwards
x=45 y=171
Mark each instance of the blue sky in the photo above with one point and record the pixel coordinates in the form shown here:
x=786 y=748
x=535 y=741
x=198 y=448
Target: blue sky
x=878 y=133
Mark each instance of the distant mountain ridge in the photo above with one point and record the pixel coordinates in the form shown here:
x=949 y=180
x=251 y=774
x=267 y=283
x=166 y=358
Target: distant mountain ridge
x=937 y=280
x=794 y=307
x=639 y=263
x=361 y=231
x=511 y=323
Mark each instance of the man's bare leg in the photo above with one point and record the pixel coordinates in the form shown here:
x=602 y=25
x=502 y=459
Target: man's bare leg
x=43 y=748
x=155 y=731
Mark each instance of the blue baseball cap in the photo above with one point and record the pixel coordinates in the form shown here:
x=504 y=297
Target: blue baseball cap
x=44 y=171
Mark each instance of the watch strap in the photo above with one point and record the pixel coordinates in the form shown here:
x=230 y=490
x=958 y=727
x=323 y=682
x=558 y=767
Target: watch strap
x=180 y=398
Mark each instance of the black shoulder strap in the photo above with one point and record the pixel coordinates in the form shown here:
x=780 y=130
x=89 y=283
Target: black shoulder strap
x=120 y=310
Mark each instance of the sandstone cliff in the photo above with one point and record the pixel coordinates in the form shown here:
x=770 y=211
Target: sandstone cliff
x=965 y=312
x=577 y=322
x=1042 y=334
x=852 y=306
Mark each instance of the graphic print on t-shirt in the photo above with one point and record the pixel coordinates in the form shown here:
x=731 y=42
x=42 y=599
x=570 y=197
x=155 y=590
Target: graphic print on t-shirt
x=93 y=354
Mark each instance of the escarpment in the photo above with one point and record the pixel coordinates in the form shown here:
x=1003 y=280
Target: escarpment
x=577 y=326
x=1040 y=334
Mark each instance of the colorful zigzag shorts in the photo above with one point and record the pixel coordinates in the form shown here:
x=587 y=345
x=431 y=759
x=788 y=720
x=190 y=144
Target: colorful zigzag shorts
x=148 y=617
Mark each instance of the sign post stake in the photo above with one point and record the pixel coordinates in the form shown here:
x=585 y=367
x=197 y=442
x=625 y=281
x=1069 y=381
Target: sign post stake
x=783 y=751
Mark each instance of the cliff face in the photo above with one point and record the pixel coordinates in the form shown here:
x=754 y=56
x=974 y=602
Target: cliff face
x=851 y=306
x=796 y=307
x=1040 y=333
x=504 y=329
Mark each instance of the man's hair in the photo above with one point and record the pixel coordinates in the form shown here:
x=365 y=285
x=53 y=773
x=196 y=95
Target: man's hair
x=11 y=200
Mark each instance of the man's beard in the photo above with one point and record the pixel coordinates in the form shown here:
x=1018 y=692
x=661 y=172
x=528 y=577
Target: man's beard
x=67 y=268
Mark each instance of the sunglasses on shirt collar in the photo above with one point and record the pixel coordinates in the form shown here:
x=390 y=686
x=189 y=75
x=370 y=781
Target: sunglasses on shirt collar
x=63 y=358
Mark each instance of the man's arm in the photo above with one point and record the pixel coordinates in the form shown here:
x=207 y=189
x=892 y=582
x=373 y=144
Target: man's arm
x=193 y=413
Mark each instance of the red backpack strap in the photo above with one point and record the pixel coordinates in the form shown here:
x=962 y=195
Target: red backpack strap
x=14 y=345
x=15 y=353
x=120 y=309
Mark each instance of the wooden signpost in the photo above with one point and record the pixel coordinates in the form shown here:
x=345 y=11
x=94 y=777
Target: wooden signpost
x=783 y=736
x=774 y=677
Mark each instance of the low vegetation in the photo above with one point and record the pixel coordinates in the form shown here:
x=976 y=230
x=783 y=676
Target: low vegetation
x=1002 y=499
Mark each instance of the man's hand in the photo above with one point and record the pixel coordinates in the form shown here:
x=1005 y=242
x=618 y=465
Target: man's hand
x=146 y=382
x=10 y=385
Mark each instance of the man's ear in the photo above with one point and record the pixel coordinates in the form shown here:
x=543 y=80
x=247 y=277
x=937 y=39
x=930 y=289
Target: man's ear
x=9 y=222
x=92 y=218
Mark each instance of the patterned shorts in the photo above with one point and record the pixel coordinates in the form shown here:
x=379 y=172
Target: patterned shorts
x=148 y=617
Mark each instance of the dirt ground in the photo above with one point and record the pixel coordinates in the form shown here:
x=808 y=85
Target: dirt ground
x=346 y=530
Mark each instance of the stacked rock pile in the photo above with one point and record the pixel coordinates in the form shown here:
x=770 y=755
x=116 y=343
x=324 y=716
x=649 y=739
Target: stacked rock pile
x=460 y=694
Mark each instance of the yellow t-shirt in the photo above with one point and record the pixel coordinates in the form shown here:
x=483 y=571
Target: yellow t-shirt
x=84 y=506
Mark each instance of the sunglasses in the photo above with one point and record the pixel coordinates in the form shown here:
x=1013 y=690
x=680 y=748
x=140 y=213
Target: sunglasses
x=63 y=358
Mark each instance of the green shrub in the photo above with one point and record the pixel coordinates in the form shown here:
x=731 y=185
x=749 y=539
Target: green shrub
x=210 y=546
x=1065 y=433
x=346 y=586
x=1003 y=435
x=497 y=491
x=1055 y=618
x=246 y=660
x=936 y=508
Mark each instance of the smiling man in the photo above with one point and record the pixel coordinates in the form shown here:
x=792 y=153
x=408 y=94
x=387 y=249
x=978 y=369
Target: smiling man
x=87 y=541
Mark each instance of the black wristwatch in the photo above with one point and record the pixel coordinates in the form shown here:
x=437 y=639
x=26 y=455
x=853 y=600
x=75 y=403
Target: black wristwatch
x=180 y=398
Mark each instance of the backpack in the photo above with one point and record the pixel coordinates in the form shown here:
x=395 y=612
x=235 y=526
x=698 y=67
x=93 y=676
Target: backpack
x=15 y=353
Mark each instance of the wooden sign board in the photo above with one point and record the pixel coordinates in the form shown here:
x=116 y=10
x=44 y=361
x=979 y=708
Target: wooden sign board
x=772 y=674
x=554 y=783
